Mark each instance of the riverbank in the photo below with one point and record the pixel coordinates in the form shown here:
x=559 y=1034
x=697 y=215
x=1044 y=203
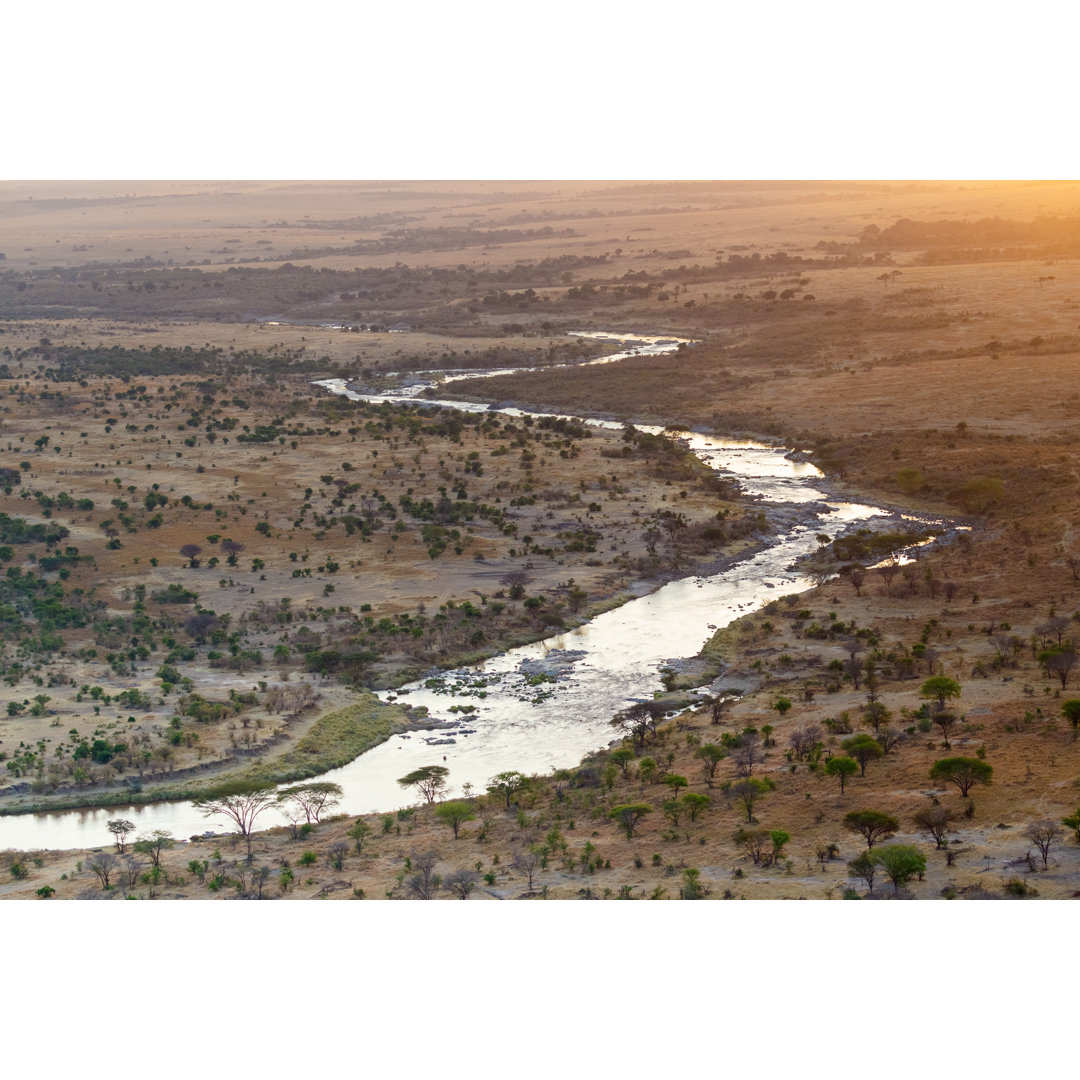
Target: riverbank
x=334 y=739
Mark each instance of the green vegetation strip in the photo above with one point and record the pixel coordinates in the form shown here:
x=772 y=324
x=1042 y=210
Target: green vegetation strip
x=334 y=740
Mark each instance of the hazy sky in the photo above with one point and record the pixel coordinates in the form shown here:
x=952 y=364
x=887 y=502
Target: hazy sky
x=568 y=89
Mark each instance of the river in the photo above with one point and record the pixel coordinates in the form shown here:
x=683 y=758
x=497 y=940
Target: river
x=542 y=706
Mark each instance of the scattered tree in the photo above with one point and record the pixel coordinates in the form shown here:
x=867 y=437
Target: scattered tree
x=461 y=883
x=191 y=552
x=889 y=739
x=241 y=804
x=232 y=549
x=454 y=814
x=628 y=815
x=711 y=755
x=676 y=783
x=1059 y=662
x=864 y=749
x=120 y=829
x=1071 y=711
x=939 y=688
x=104 y=864
x=748 y=754
x=748 y=792
x=843 y=768
x=424 y=883
x=946 y=721
x=901 y=862
x=312 y=799
x=804 y=740
x=359 y=831
x=507 y=784
x=527 y=862
x=779 y=838
x=429 y=780
x=871 y=825
x=1043 y=834
x=153 y=845
x=637 y=722
x=936 y=823
x=963 y=772
x=864 y=866
x=754 y=842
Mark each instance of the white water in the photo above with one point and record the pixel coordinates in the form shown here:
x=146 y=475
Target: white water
x=624 y=652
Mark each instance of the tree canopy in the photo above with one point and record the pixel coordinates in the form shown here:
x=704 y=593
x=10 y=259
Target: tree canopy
x=963 y=772
x=901 y=862
x=429 y=780
x=843 y=768
x=871 y=825
x=940 y=688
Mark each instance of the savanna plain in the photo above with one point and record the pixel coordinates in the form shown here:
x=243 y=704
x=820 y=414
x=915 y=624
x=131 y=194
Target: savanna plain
x=210 y=564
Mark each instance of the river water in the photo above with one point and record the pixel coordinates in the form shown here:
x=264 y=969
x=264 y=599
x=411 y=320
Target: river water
x=545 y=705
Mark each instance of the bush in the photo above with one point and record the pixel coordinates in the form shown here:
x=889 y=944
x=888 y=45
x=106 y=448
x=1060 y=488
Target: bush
x=1017 y=887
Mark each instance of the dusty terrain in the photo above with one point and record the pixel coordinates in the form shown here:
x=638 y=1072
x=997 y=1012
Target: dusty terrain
x=936 y=373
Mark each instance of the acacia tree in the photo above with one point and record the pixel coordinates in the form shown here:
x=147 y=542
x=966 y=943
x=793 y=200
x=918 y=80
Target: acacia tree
x=1043 y=834
x=359 y=831
x=935 y=822
x=120 y=829
x=424 y=882
x=875 y=714
x=628 y=815
x=754 y=842
x=748 y=792
x=460 y=882
x=889 y=739
x=1071 y=711
x=1059 y=662
x=104 y=865
x=901 y=862
x=748 y=754
x=312 y=799
x=527 y=861
x=454 y=814
x=871 y=825
x=711 y=755
x=964 y=772
x=637 y=722
x=153 y=845
x=507 y=784
x=804 y=740
x=241 y=804
x=843 y=768
x=429 y=780
x=864 y=866
x=946 y=721
x=939 y=688
x=676 y=783
x=232 y=548
x=191 y=552
x=864 y=749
